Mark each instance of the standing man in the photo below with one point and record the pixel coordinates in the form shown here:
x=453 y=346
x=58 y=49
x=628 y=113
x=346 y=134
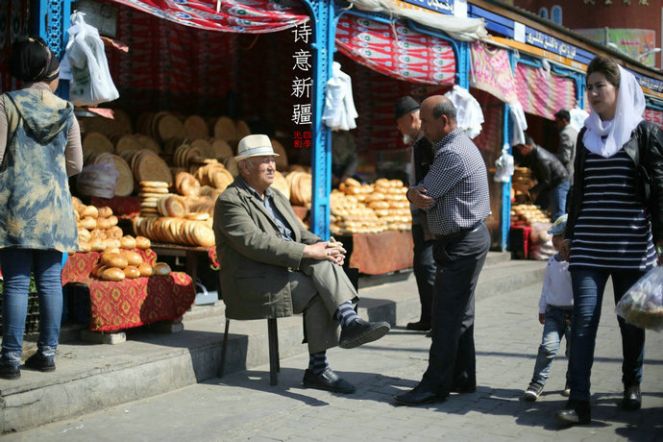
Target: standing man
x=454 y=195
x=409 y=125
x=551 y=176
x=567 y=141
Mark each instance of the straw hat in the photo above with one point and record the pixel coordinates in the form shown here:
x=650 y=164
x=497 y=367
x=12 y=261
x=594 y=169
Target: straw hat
x=254 y=146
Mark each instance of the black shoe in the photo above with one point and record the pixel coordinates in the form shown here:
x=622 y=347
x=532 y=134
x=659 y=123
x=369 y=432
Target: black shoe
x=632 y=398
x=463 y=387
x=420 y=394
x=418 y=326
x=575 y=413
x=10 y=371
x=360 y=332
x=327 y=380
x=40 y=362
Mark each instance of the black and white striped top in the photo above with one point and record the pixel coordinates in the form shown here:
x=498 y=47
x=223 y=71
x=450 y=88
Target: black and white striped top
x=458 y=181
x=613 y=230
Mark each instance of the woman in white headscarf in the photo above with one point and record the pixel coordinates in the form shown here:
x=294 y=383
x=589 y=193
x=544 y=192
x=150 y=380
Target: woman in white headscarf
x=615 y=221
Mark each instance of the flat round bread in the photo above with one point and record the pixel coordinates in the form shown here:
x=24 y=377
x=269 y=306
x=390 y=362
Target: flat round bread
x=195 y=127
x=224 y=128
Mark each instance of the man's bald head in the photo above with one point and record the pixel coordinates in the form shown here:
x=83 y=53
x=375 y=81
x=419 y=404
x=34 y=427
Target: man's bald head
x=438 y=117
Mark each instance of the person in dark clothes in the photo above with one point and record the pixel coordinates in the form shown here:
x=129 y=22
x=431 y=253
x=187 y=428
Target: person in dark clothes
x=551 y=176
x=409 y=125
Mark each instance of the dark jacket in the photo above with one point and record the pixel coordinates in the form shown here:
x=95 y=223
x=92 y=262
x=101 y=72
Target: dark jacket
x=646 y=150
x=548 y=170
x=423 y=158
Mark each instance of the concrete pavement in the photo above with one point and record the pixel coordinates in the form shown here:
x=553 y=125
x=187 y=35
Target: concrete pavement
x=242 y=406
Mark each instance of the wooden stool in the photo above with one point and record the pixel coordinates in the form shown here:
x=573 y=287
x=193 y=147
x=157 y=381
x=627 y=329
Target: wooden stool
x=272 y=337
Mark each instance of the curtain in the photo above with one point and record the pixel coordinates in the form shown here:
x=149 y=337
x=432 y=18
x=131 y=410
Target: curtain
x=242 y=16
x=396 y=51
x=543 y=93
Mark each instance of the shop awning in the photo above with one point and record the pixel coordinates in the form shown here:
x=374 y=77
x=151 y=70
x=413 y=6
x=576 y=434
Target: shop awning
x=396 y=51
x=245 y=16
x=655 y=116
x=543 y=93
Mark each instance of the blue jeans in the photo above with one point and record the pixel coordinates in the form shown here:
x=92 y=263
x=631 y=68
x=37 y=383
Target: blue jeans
x=558 y=199
x=16 y=267
x=588 y=288
x=557 y=325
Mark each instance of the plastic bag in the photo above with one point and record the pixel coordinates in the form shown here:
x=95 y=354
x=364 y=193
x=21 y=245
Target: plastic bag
x=91 y=82
x=642 y=305
x=504 y=166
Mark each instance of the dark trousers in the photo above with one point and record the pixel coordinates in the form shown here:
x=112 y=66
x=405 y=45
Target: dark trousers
x=424 y=271
x=452 y=358
x=588 y=288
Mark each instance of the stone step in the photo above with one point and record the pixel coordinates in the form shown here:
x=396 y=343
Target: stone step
x=94 y=377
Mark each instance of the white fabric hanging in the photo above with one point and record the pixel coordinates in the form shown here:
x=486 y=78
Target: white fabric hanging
x=518 y=123
x=606 y=138
x=458 y=27
x=340 y=112
x=469 y=115
x=578 y=117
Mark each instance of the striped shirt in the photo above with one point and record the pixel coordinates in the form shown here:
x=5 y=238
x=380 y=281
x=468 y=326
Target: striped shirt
x=458 y=181
x=613 y=230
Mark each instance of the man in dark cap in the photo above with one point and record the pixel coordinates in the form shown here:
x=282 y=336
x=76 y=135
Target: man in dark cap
x=409 y=125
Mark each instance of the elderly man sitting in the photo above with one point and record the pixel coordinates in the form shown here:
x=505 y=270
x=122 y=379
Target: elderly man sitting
x=271 y=266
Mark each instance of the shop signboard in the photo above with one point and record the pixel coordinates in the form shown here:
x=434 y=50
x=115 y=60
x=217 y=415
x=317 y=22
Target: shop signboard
x=441 y=6
x=635 y=43
x=544 y=41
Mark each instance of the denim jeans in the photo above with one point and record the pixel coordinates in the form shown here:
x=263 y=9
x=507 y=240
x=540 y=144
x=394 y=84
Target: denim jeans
x=16 y=267
x=558 y=199
x=588 y=288
x=557 y=324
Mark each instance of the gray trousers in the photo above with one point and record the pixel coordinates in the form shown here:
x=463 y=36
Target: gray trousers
x=317 y=290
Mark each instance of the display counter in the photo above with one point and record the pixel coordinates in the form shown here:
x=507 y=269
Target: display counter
x=119 y=305
x=379 y=253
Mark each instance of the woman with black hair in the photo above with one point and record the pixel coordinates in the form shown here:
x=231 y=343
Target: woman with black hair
x=615 y=219
x=40 y=148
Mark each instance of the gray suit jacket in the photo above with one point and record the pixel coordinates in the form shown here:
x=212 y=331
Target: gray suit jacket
x=255 y=260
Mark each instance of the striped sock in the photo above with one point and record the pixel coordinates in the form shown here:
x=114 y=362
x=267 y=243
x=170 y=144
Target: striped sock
x=317 y=362
x=345 y=314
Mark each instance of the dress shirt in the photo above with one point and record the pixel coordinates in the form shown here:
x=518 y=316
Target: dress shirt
x=458 y=182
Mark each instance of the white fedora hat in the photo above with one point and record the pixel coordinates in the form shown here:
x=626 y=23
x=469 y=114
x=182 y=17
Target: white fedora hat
x=254 y=146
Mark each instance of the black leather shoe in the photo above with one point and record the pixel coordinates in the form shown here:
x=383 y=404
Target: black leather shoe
x=632 y=398
x=360 y=332
x=40 y=362
x=575 y=413
x=463 y=387
x=418 y=326
x=328 y=381
x=419 y=395
x=9 y=372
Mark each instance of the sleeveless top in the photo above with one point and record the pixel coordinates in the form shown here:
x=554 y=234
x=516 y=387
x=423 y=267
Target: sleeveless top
x=35 y=202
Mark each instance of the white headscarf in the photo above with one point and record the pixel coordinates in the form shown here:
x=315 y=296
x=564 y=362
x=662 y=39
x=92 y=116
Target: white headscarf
x=606 y=138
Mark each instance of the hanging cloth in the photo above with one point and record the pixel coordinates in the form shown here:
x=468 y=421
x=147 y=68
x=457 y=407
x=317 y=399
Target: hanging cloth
x=340 y=112
x=469 y=115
